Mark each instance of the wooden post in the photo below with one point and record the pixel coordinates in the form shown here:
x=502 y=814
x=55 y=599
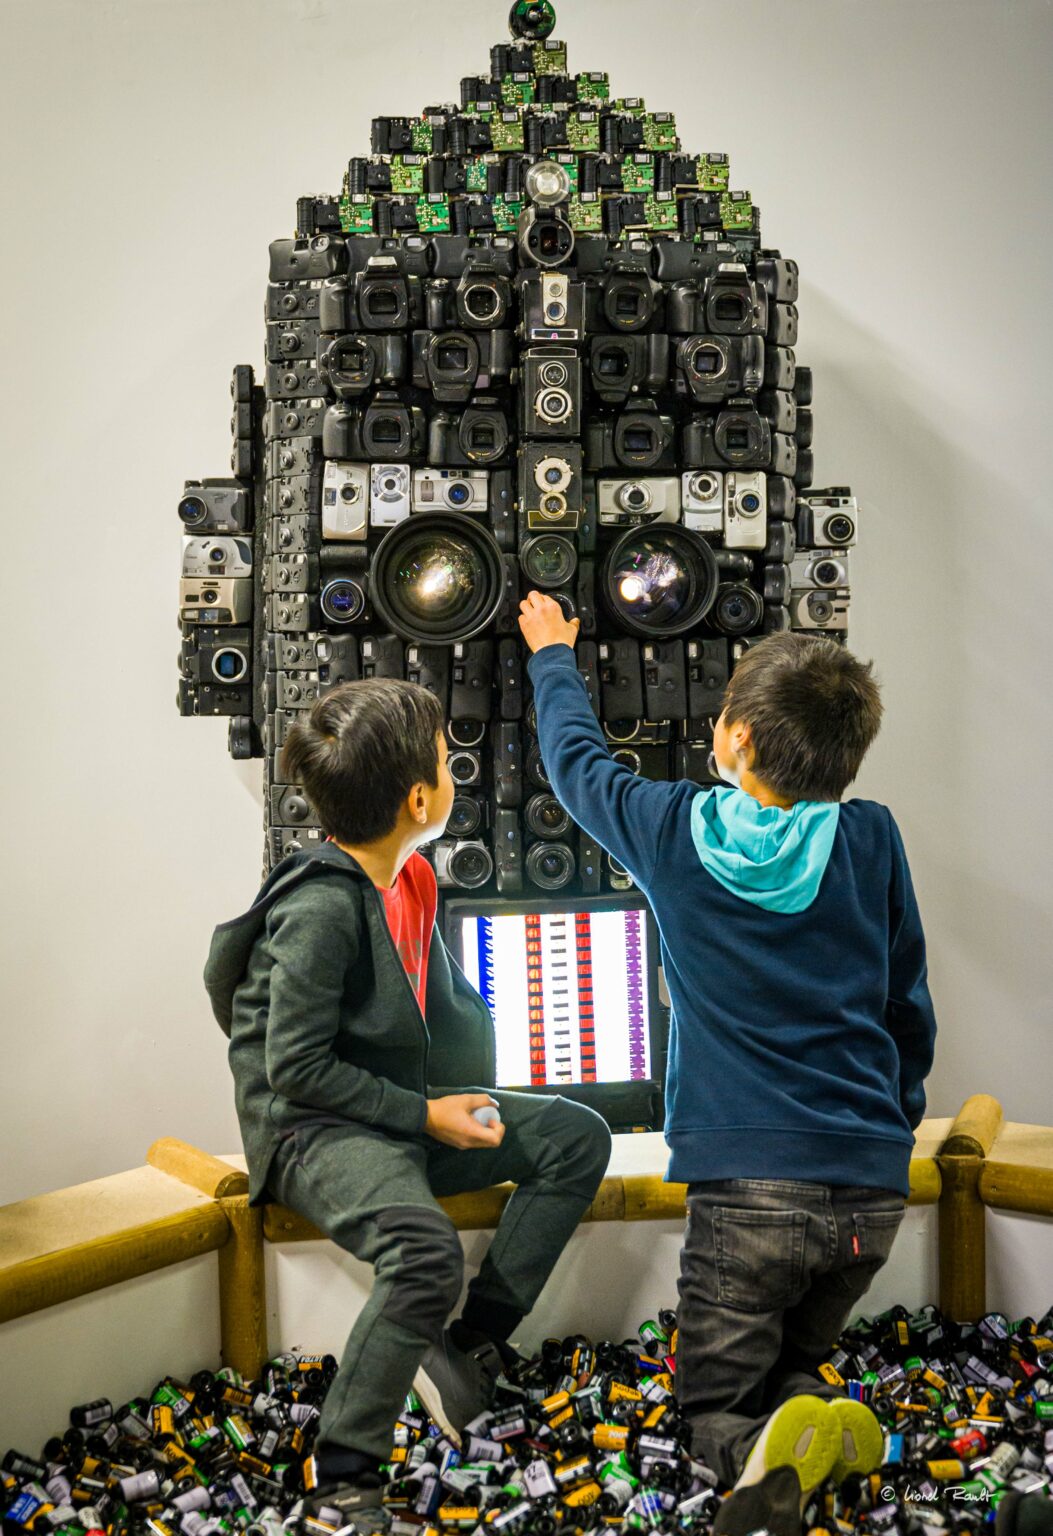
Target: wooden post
x=975 y=1127
x=242 y=1288
x=962 y=1239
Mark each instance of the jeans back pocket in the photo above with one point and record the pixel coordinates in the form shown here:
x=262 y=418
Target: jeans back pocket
x=759 y=1257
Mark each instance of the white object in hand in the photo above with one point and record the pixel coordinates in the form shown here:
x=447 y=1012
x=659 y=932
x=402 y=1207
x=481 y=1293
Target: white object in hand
x=487 y=1114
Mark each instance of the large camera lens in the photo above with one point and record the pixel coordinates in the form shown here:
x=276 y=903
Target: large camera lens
x=548 y=559
x=737 y=610
x=839 y=528
x=438 y=577
x=193 y=511
x=230 y=666
x=342 y=600
x=466 y=817
x=545 y=817
x=659 y=579
x=621 y=730
x=470 y=866
x=550 y=866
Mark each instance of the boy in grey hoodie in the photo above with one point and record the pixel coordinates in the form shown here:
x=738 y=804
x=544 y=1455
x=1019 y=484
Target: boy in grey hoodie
x=801 y=1035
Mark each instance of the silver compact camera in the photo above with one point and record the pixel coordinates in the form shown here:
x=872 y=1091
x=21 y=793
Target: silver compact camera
x=820 y=608
x=389 y=494
x=215 y=600
x=702 y=496
x=450 y=490
x=345 y=500
x=827 y=519
x=745 y=510
x=217 y=557
x=465 y=865
x=820 y=568
x=655 y=499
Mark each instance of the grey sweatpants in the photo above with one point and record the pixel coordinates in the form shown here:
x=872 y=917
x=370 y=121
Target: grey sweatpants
x=770 y=1273
x=375 y=1195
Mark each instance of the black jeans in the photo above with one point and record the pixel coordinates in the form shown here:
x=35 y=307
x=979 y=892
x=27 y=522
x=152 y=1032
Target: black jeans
x=770 y=1273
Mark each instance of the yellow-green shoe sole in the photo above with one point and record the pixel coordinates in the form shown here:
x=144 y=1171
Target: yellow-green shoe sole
x=803 y=1434
x=860 y=1440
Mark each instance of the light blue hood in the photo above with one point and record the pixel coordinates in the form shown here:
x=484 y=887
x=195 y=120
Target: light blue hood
x=772 y=857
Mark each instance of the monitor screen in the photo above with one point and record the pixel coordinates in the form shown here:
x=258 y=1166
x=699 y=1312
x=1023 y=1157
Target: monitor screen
x=569 y=989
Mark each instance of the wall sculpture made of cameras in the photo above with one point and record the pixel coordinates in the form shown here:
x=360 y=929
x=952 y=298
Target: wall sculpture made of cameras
x=532 y=344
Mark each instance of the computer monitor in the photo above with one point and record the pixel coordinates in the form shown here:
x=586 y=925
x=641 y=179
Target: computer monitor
x=573 y=990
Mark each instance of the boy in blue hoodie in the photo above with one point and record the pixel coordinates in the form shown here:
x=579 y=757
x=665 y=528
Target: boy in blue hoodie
x=802 y=1032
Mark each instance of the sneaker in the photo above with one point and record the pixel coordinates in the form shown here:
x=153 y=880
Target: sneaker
x=802 y=1433
x=773 y=1504
x=861 y=1440
x=455 y=1386
x=361 y=1503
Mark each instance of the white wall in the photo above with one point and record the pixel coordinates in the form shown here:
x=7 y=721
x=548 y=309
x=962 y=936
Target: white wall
x=154 y=149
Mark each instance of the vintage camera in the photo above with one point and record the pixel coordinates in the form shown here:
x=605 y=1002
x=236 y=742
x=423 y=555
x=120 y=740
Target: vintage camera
x=344 y=576
x=550 y=865
x=550 y=392
x=821 y=608
x=217 y=557
x=450 y=490
x=389 y=494
x=627 y=503
x=826 y=519
x=640 y=437
x=215 y=600
x=702 y=495
x=820 y=568
x=712 y=368
x=452 y=364
x=216 y=506
x=478 y=435
x=745 y=510
x=345 y=500
x=355 y=364
x=620 y=366
x=550 y=489
x=464 y=865
x=552 y=307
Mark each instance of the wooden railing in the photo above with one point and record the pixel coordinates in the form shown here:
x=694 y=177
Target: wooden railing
x=186 y=1202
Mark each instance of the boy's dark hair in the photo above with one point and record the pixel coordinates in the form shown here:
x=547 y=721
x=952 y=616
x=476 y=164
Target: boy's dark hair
x=812 y=708
x=359 y=752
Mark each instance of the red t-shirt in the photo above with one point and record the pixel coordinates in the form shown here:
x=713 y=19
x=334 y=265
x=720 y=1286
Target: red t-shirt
x=410 y=908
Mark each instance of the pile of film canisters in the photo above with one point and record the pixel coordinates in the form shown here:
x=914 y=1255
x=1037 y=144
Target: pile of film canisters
x=581 y=1437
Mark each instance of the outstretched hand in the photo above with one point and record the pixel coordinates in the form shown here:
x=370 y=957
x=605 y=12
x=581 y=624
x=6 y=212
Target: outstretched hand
x=542 y=623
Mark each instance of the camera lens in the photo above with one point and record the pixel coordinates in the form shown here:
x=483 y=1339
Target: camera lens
x=706 y=359
x=749 y=504
x=465 y=733
x=342 y=601
x=350 y=492
x=553 y=375
x=839 y=528
x=458 y=493
x=550 y=866
x=659 y=579
x=217 y=555
x=704 y=487
x=820 y=608
x=532 y=19
x=230 y=666
x=192 y=510
x=545 y=817
x=438 y=577
x=535 y=768
x=633 y=497
x=548 y=241
x=738 y=609
x=466 y=817
x=827 y=573
x=553 y=505
x=554 y=405
x=392 y=486
x=470 y=866
x=531 y=718
x=464 y=768
x=548 y=560
x=566 y=603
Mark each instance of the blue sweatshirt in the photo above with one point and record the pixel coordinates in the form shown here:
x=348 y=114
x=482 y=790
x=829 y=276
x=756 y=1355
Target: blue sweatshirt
x=802 y=1029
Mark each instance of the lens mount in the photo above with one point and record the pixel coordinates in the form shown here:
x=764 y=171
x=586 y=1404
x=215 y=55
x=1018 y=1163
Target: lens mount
x=438 y=577
x=659 y=579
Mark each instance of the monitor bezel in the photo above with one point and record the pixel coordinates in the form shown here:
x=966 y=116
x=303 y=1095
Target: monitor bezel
x=623 y=1102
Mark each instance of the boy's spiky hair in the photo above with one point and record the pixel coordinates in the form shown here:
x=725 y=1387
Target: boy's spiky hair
x=813 y=710
x=359 y=752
